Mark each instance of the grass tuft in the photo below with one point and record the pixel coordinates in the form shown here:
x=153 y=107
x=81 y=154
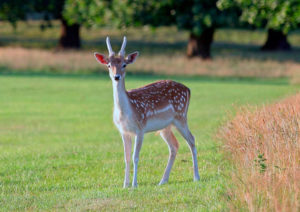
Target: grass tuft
x=264 y=146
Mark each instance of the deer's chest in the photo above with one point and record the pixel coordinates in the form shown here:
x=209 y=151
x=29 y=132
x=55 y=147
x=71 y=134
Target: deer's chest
x=124 y=120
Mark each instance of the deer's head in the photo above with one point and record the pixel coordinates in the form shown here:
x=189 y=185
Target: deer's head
x=116 y=64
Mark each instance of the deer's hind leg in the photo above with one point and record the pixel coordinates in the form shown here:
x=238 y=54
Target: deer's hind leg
x=173 y=145
x=183 y=128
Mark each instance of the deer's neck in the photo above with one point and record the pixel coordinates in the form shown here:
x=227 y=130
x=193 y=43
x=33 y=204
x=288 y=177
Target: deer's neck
x=121 y=101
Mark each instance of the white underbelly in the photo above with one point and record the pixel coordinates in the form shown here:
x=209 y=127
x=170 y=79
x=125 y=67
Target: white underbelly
x=160 y=119
x=157 y=124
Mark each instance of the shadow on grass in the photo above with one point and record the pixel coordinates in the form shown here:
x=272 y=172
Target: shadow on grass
x=145 y=76
x=225 y=50
x=253 y=52
x=28 y=42
x=204 y=179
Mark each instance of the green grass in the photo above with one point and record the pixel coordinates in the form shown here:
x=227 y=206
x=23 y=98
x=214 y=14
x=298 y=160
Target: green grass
x=59 y=149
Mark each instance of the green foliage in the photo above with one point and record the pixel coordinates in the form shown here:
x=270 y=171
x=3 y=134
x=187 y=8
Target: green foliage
x=116 y=13
x=88 y=12
x=48 y=7
x=261 y=162
x=193 y=15
x=283 y=15
x=197 y=15
x=12 y=10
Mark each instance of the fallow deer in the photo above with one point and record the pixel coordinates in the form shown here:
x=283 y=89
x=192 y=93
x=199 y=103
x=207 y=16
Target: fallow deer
x=154 y=107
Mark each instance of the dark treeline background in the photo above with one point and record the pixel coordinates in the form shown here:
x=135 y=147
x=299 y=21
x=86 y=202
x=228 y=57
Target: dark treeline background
x=201 y=18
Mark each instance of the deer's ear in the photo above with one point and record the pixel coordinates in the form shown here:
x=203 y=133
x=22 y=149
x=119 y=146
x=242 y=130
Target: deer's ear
x=132 y=57
x=101 y=58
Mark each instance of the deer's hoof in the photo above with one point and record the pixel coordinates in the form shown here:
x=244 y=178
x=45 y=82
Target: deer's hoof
x=197 y=178
x=163 y=182
x=126 y=185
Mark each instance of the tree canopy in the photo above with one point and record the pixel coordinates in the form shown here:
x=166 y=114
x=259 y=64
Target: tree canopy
x=192 y=15
x=12 y=10
x=281 y=15
x=199 y=17
x=88 y=12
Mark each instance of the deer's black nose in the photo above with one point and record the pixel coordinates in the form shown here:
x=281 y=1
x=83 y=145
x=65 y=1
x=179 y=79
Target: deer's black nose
x=117 y=77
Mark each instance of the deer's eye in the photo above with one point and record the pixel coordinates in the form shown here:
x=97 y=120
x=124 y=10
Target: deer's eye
x=124 y=65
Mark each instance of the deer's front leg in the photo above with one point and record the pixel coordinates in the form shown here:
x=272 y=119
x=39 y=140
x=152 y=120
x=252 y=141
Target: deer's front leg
x=127 y=152
x=137 y=147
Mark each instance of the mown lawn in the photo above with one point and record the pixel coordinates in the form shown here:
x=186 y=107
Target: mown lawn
x=60 y=150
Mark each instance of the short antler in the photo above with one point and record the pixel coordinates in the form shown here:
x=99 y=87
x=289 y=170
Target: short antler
x=110 y=51
x=122 y=50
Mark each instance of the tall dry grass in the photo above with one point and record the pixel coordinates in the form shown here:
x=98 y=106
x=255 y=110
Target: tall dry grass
x=38 y=60
x=264 y=146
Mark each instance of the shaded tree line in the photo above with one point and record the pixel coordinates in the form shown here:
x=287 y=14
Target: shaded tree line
x=200 y=18
x=14 y=10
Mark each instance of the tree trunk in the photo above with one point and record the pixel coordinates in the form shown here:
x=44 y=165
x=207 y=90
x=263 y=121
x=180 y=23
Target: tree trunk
x=199 y=45
x=70 y=35
x=276 y=41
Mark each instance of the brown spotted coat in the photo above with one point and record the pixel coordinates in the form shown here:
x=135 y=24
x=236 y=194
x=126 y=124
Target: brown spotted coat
x=147 y=100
